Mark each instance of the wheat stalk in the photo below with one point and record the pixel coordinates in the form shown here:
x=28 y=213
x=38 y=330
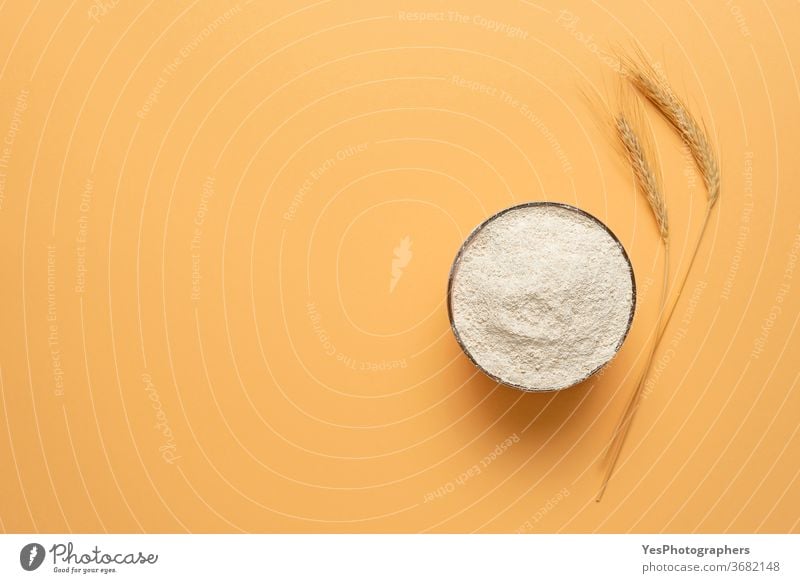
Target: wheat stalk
x=638 y=150
x=655 y=89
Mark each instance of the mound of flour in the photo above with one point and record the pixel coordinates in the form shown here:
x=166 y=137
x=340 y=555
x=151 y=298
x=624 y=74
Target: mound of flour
x=541 y=297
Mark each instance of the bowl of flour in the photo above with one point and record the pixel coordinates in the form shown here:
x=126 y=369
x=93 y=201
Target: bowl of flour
x=541 y=296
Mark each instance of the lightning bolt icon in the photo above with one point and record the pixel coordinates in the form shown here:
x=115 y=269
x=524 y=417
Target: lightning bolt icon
x=34 y=552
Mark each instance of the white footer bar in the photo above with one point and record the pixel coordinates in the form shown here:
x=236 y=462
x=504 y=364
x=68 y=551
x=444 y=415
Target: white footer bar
x=414 y=558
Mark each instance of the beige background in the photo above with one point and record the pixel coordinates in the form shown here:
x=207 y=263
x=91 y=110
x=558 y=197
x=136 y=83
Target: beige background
x=199 y=208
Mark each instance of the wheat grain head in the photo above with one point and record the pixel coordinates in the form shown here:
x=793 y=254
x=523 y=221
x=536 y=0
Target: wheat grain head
x=637 y=147
x=655 y=89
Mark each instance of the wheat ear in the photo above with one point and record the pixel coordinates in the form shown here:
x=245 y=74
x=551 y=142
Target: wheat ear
x=638 y=151
x=656 y=90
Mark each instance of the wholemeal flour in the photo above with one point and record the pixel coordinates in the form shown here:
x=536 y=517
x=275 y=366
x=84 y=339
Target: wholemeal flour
x=541 y=296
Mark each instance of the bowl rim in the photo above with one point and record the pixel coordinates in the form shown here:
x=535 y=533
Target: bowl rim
x=457 y=260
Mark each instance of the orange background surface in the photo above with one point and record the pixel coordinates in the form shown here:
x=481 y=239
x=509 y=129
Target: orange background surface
x=199 y=208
